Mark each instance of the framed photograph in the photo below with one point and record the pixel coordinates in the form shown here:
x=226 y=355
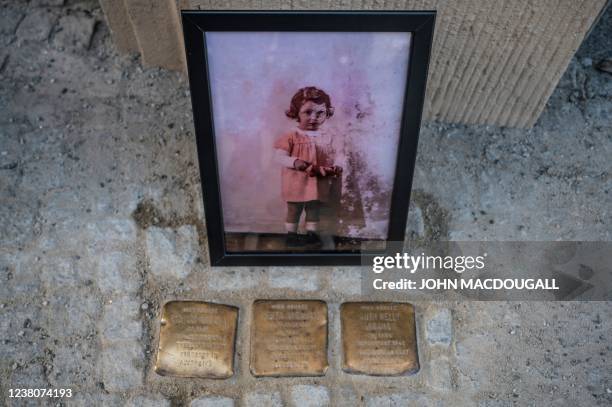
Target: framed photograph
x=307 y=127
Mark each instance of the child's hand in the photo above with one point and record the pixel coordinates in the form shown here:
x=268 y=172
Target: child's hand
x=312 y=170
x=300 y=165
x=332 y=171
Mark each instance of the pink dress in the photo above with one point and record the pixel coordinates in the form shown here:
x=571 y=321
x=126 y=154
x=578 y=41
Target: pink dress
x=297 y=186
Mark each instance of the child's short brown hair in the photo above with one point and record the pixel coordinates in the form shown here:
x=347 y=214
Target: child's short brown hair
x=309 y=93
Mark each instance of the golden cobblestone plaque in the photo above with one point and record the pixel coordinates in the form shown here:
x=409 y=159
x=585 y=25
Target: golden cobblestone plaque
x=379 y=338
x=197 y=339
x=289 y=338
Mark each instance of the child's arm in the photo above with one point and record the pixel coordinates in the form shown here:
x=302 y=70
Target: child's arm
x=283 y=158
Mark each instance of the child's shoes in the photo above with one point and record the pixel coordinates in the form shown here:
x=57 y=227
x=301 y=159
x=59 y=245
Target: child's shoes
x=294 y=240
x=313 y=241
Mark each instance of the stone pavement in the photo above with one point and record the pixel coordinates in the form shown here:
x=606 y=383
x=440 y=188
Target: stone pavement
x=101 y=222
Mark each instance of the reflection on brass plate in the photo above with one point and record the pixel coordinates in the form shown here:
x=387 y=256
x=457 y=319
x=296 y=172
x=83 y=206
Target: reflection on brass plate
x=289 y=338
x=197 y=339
x=379 y=338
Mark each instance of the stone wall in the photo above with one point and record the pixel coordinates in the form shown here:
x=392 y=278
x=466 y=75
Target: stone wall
x=494 y=62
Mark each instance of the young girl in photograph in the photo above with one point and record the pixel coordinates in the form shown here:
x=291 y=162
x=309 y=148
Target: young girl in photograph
x=310 y=177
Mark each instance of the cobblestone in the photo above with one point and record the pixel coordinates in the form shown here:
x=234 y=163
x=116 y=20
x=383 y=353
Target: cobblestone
x=86 y=399
x=69 y=315
x=17 y=220
x=60 y=271
x=440 y=327
x=119 y=366
x=66 y=373
x=263 y=400
x=398 y=400
x=440 y=377
x=19 y=275
x=36 y=25
x=117 y=273
x=344 y=397
x=28 y=376
x=295 y=278
x=415 y=227
x=212 y=402
x=309 y=396
x=172 y=253
x=121 y=320
x=75 y=32
x=9 y=20
x=110 y=232
x=235 y=279
x=73 y=234
x=148 y=401
x=51 y=3
x=346 y=280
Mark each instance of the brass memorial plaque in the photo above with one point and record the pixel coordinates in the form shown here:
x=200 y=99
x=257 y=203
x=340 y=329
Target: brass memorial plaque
x=379 y=338
x=197 y=339
x=289 y=338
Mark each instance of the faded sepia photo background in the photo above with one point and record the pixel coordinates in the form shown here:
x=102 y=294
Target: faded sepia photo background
x=253 y=76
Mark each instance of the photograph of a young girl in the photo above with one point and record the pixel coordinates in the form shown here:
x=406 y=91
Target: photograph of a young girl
x=306 y=131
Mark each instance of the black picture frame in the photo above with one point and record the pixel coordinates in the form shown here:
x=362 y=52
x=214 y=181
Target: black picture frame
x=196 y=23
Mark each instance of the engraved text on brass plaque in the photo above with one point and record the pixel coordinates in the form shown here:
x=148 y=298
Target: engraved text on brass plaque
x=289 y=338
x=378 y=338
x=196 y=339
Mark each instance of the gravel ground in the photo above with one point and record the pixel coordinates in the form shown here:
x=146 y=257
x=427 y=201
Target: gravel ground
x=101 y=221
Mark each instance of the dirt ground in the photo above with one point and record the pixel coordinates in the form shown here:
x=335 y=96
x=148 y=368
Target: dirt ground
x=101 y=221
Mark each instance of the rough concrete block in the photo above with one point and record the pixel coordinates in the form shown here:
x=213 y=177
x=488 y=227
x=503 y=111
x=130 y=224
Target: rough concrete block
x=440 y=327
x=309 y=396
x=263 y=400
x=172 y=253
x=120 y=25
x=212 y=402
x=158 y=32
x=294 y=278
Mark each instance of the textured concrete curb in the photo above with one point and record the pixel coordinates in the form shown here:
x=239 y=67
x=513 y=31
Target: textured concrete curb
x=494 y=62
